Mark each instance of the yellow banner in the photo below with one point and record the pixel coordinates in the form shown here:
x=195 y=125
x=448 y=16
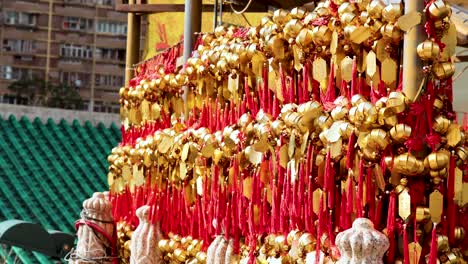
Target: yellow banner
x=166 y=29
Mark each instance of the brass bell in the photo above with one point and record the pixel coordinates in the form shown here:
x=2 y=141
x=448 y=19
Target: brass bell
x=392 y=12
x=422 y=214
x=392 y=31
x=443 y=243
x=304 y=38
x=439 y=10
x=443 y=70
x=375 y=8
x=428 y=50
x=292 y=28
x=441 y=124
x=438 y=173
x=436 y=160
x=459 y=233
x=396 y=101
x=400 y=132
x=281 y=16
x=322 y=35
x=180 y=255
x=298 y=13
x=462 y=153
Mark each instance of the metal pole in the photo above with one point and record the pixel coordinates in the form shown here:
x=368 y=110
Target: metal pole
x=133 y=43
x=93 y=67
x=215 y=11
x=193 y=14
x=49 y=40
x=193 y=11
x=412 y=78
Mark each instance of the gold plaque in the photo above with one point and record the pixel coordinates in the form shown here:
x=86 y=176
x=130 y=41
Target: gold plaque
x=436 y=205
x=404 y=205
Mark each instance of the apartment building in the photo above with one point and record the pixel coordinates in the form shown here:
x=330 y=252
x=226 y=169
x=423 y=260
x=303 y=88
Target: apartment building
x=84 y=47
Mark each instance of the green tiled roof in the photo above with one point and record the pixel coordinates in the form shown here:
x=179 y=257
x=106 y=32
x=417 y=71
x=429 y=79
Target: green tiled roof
x=47 y=170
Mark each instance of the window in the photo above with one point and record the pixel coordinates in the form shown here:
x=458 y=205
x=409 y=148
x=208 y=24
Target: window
x=13 y=73
x=76 y=51
x=20 y=18
x=110 y=54
x=75 y=79
x=19 y=45
x=103 y=80
x=77 y=23
x=105 y=2
x=110 y=27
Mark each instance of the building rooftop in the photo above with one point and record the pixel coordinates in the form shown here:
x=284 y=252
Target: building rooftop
x=47 y=170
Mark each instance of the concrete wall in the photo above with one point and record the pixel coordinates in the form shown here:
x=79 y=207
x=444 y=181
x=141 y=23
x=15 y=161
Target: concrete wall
x=58 y=114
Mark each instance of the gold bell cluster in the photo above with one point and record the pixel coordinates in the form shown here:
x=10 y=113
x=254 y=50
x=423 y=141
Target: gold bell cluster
x=304 y=111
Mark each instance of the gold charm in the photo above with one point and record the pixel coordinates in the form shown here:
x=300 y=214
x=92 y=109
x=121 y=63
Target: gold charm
x=436 y=204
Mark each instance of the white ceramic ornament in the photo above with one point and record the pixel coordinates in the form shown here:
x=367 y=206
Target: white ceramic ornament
x=362 y=243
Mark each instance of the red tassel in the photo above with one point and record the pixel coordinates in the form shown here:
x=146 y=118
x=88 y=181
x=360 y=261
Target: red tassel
x=433 y=254
x=319 y=231
x=350 y=154
x=360 y=189
x=283 y=83
x=354 y=83
x=329 y=181
x=350 y=201
x=391 y=227
x=405 y=245
x=451 y=203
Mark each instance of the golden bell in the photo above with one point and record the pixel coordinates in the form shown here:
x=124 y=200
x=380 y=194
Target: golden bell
x=363 y=17
x=439 y=10
x=201 y=256
x=377 y=139
x=298 y=13
x=392 y=31
x=370 y=155
x=348 y=18
x=441 y=124
x=440 y=173
x=459 y=233
x=304 y=38
x=375 y=8
x=442 y=243
x=292 y=28
x=357 y=99
x=462 y=153
x=180 y=255
x=400 y=188
x=436 y=161
x=428 y=50
x=438 y=103
x=281 y=16
x=339 y=112
x=346 y=7
x=422 y=214
x=324 y=121
x=293 y=235
x=362 y=4
x=443 y=70
x=397 y=101
x=307 y=242
x=392 y=12
x=400 y=132
x=322 y=35
x=322 y=11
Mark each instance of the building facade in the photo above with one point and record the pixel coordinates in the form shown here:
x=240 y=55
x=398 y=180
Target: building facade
x=80 y=43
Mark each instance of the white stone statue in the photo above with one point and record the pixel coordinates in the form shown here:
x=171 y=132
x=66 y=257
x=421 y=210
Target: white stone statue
x=362 y=243
x=95 y=232
x=144 y=244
